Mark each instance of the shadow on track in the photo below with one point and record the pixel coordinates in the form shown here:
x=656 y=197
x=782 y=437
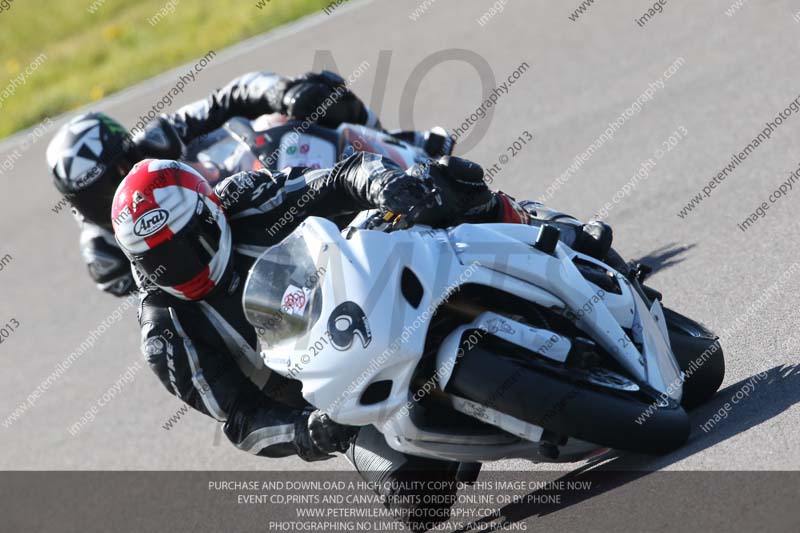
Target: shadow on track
x=666 y=256
x=772 y=394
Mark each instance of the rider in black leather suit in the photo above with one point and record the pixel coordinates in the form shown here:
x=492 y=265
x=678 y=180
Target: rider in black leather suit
x=90 y=155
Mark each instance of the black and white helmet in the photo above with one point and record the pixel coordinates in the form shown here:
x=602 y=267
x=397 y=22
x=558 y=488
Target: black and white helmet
x=88 y=158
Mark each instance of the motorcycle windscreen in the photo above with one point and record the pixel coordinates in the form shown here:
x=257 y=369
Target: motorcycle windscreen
x=281 y=298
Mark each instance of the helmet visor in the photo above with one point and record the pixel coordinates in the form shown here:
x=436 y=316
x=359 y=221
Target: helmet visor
x=186 y=254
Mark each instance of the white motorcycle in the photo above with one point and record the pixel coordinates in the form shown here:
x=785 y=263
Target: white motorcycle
x=478 y=343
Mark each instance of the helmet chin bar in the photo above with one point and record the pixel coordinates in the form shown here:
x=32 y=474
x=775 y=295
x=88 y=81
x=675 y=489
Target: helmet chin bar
x=208 y=280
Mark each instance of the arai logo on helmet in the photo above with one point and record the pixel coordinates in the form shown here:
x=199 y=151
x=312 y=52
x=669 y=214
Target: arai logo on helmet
x=151 y=222
x=90 y=176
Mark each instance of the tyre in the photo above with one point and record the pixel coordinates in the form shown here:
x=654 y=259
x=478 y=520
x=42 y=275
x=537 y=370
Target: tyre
x=546 y=396
x=699 y=355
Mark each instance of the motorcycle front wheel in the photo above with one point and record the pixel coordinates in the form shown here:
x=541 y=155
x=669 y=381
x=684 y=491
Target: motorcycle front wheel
x=618 y=417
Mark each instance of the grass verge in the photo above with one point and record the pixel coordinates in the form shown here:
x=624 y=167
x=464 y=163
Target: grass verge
x=56 y=56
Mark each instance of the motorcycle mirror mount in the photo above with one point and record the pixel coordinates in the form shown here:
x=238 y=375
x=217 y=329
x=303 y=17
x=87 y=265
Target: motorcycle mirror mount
x=547 y=239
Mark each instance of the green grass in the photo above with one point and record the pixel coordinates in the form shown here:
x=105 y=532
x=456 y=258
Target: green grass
x=89 y=56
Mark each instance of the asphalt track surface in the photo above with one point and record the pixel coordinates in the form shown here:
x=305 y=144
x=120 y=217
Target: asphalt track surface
x=737 y=73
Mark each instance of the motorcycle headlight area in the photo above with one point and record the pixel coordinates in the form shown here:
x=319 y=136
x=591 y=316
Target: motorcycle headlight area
x=281 y=297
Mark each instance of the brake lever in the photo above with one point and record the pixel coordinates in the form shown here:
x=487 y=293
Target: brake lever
x=377 y=222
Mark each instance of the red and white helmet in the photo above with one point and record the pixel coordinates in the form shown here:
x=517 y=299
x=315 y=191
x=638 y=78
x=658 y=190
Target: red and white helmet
x=170 y=224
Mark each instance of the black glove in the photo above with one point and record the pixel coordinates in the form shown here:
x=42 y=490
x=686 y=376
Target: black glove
x=463 y=195
x=327 y=436
x=404 y=193
x=324 y=96
x=160 y=140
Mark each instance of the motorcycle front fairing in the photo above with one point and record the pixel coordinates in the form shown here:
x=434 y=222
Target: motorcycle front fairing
x=355 y=328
